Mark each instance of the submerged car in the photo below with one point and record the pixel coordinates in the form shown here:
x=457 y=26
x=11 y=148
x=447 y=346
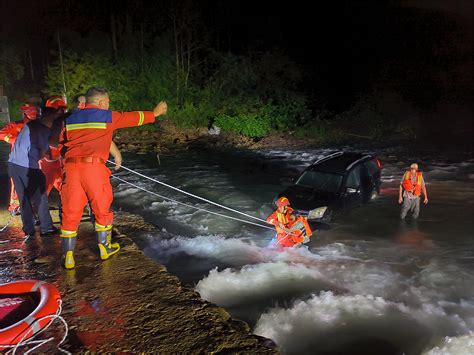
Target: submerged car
x=335 y=184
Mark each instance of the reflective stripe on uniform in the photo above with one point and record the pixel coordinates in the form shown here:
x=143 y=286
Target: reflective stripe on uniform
x=282 y=218
x=67 y=234
x=142 y=118
x=101 y=228
x=96 y=125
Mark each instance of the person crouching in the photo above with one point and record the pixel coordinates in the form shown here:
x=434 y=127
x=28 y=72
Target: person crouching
x=291 y=230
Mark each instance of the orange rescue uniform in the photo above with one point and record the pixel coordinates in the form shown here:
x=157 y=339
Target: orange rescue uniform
x=51 y=168
x=289 y=239
x=84 y=145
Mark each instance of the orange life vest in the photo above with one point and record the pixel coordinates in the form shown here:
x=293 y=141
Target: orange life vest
x=409 y=186
x=284 y=218
x=297 y=236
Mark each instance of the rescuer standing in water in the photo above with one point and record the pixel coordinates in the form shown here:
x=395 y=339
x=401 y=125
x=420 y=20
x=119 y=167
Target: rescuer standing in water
x=411 y=186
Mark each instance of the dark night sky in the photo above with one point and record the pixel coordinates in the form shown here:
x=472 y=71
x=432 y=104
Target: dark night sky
x=345 y=47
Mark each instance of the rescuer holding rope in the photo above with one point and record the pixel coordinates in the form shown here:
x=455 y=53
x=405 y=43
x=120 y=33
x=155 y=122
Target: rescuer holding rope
x=291 y=230
x=84 y=144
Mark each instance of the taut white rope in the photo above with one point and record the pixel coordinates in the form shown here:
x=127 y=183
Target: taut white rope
x=190 y=194
x=191 y=206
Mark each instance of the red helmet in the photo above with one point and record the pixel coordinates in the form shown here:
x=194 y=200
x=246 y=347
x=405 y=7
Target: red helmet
x=56 y=102
x=29 y=111
x=283 y=201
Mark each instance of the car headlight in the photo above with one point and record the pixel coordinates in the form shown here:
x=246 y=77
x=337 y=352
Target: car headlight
x=317 y=212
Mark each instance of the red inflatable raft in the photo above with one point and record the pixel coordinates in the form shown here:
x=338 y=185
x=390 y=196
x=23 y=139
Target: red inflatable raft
x=24 y=309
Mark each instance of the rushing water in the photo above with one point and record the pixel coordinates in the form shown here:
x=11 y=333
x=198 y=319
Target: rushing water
x=368 y=284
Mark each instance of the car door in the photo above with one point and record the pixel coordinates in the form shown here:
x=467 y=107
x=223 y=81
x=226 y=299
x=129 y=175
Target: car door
x=352 y=189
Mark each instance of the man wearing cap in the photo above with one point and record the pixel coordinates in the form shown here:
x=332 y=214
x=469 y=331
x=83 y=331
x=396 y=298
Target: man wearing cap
x=411 y=186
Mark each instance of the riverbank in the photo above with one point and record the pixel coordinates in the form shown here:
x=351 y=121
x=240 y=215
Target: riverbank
x=167 y=138
x=128 y=303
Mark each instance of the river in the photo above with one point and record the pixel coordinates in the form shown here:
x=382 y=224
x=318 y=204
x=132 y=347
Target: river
x=368 y=284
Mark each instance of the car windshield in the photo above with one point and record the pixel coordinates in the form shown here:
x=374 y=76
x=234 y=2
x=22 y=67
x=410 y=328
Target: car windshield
x=320 y=181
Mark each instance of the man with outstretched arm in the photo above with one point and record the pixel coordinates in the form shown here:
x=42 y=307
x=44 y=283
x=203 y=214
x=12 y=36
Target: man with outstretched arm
x=84 y=144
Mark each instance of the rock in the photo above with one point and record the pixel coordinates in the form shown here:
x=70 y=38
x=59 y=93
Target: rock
x=44 y=260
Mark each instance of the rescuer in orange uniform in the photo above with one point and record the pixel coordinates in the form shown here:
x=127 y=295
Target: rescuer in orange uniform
x=50 y=165
x=9 y=134
x=291 y=230
x=84 y=145
x=80 y=104
x=411 y=186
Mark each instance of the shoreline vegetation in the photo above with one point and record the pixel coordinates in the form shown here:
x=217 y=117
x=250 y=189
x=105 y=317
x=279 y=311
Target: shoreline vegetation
x=166 y=137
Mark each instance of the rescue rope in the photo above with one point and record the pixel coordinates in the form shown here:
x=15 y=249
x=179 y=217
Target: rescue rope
x=191 y=206
x=41 y=342
x=8 y=223
x=10 y=251
x=190 y=194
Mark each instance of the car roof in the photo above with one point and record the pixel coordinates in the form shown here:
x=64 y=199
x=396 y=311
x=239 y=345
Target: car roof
x=339 y=162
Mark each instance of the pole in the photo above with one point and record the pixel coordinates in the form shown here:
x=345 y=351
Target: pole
x=62 y=64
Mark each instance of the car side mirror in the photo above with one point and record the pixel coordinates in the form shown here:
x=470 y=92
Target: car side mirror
x=351 y=190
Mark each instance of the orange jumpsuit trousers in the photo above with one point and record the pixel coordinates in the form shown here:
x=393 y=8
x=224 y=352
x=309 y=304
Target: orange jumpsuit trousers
x=83 y=182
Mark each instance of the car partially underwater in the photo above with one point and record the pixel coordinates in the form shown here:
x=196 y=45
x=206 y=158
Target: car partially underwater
x=335 y=184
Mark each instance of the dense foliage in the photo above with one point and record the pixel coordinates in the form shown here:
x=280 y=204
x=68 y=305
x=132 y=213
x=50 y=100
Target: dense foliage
x=247 y=95
x=216 y=65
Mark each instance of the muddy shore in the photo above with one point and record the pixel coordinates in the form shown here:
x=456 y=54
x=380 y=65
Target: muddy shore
x=128 y=303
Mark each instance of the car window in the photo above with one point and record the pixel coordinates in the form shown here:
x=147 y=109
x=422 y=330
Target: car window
x=353 y=179
x=372 y=167
x=320 y=181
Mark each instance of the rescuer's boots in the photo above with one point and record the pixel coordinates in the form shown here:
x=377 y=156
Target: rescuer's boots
x=106 y=247
x=109 y=240
x=67 y=245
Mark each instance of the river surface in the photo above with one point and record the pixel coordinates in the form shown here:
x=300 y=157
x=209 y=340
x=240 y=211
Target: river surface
x=369 y=283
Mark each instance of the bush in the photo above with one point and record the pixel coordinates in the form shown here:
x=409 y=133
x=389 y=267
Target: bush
x=243 y=94
x=322 y=131
x=14 y=110
x=190 y=115
x=248 y=124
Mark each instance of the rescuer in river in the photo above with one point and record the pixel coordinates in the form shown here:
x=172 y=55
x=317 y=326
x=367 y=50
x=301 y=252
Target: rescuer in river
x=291 y=230
x=411 y=187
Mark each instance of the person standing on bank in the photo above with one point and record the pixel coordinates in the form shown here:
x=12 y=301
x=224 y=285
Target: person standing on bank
x=31 y=145
x=84 y=145
x=411 y=187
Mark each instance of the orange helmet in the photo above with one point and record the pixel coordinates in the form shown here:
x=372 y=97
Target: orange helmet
x=56 y=102
x=29 y=111
x=283 y=201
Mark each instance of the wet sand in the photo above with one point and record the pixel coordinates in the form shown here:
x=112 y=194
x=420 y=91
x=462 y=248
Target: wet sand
x=126 y=303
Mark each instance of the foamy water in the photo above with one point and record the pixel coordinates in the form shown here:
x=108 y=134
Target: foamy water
x=368 y=280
